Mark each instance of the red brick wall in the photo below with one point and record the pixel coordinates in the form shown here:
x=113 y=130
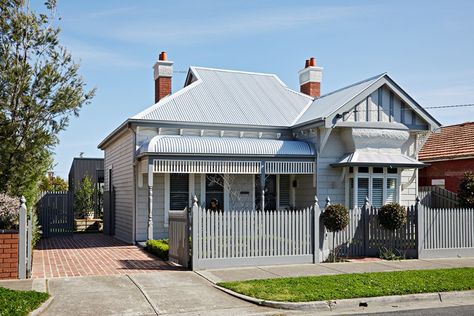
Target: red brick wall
x=311 y=88
x=162 y=87
x=451 y=171
x=8 y=255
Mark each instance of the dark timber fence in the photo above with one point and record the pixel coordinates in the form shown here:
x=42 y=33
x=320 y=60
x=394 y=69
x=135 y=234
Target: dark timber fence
x=55 y=213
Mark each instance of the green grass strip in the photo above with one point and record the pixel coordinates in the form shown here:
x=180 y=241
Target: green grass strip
x=20 y=302
x=331 y=287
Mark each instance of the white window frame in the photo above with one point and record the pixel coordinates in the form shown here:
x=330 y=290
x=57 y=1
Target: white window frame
x=371 y=175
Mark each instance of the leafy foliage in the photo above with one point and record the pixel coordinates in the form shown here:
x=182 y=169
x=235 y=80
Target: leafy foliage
x=53 y=184
x=335 y=217
x=20 y=302
x=466 y=190
x=392 y=216
x=9 y=207
x=40 y=89
x=159 y=248
x=84 y=197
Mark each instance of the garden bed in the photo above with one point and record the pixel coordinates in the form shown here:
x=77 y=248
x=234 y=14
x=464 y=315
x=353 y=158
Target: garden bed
x=344 y=286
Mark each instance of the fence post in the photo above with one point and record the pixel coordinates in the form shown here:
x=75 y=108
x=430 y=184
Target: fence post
x=365 y=221
x=22 y=239
x=194 y=232
x=420 y=227
x=316 y=231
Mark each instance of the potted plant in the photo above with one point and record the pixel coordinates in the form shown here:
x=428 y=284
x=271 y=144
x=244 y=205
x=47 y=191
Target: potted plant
x=84 y=199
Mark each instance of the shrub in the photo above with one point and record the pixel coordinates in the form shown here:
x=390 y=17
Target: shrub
x=335 y=217
x=8 y=211
x=466 y=190
x=84 y=197
x=392 y=216
x=159 y=248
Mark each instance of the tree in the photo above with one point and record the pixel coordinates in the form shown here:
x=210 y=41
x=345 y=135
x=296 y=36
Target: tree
x=84 y=197
x=466 y=190
x=40 y=89
x=53 y=184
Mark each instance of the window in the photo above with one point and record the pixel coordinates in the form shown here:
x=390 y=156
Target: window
x=284 y=190
x=380 y=185
x=215 y=191
x=179 y=191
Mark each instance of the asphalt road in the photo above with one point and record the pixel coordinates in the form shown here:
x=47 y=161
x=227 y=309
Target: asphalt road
x=466 y=310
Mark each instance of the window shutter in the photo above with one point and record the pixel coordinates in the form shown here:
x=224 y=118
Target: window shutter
x=391 y=190
x=351 y=193
x=377 y=192
x=284 y=190
x=362 y=190
x=179 y=191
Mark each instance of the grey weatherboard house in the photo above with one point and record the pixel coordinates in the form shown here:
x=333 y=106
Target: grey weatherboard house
x=228 y=134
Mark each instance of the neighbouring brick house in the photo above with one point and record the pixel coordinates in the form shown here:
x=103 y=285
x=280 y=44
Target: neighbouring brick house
x=449 y=154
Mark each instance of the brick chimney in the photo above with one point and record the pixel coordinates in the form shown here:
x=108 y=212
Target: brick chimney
x=310 y=78
x=162 y=72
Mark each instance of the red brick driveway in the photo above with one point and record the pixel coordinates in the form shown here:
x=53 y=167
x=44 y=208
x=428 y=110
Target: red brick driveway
x=90 y=254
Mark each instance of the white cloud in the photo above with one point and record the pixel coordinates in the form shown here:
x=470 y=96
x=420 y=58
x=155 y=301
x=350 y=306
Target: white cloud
x=94 y=54
x=178 y=29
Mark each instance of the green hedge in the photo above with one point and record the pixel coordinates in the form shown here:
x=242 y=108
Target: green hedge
x=158 y=247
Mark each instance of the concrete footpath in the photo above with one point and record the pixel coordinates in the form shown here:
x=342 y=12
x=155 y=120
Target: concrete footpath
x=172 y=292
x=282 y=271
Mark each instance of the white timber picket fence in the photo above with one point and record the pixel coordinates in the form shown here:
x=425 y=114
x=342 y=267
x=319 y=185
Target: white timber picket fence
x=205 y=239
x=25 y=239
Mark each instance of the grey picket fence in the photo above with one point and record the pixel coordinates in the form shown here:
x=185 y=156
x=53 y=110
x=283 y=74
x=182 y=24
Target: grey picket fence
x=446 y=232
x=248 y=238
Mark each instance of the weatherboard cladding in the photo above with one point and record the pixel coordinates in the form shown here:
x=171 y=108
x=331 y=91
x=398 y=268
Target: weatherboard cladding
x=231 y=97
x=226 y=146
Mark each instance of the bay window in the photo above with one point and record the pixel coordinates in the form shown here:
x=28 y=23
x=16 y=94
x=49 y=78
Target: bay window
x=380 y=185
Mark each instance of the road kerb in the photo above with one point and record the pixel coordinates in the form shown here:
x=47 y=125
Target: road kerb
x=354 y=303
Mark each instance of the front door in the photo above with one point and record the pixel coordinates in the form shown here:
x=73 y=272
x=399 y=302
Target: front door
x=270 y=192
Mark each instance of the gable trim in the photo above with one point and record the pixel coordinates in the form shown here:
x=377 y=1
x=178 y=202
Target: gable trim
x=385 y=80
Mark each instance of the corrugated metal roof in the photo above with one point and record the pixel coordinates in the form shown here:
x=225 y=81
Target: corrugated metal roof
x=328 y=103
x=373 y=158
x=231 y=97
x=226 y=146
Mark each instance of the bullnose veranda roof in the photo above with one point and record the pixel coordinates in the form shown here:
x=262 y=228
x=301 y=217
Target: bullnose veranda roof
x=196 y=145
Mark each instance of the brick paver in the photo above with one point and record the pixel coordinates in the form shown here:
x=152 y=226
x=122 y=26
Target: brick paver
x=90 y=254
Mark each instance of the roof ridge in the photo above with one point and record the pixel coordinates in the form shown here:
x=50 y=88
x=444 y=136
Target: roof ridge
x=354 y=84
x=235 y=71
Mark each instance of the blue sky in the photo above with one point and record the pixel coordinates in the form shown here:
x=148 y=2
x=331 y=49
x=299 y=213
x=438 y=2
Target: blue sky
x=426 y=46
